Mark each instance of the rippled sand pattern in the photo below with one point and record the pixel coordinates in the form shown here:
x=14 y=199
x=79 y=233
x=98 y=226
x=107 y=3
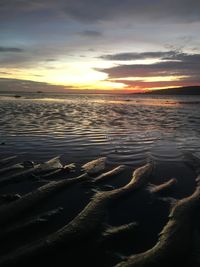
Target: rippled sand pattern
x=81 y=127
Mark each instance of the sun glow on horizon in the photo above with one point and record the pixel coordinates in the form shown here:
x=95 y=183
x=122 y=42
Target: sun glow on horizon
x=90 y=75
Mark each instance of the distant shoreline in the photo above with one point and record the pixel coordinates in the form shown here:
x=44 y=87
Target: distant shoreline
x=189 y=90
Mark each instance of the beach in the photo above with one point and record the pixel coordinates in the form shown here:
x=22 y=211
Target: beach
x=70 y=223
x=99 y=133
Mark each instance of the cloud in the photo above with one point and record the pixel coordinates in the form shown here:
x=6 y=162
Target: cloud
x=10 y=49
x=91 y=10
x=23 y=5
x=50 y=59
x=42 y=25
x=173 y=63
x=138 y=56
x=91 y=33
x=33 y=55
x=29 y=86
x=5 y=72
x=176 y=55
x=51 y=31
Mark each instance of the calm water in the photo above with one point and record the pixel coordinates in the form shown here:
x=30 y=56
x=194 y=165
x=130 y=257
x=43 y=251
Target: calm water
x=127 y=129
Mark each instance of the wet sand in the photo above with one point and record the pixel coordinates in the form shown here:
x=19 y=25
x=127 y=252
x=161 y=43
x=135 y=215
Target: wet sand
x=148 y=211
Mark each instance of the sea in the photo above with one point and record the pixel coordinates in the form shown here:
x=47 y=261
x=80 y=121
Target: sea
x=127 y=129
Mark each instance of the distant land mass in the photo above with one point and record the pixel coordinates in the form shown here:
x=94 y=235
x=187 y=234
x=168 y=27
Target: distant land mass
x=188 y=90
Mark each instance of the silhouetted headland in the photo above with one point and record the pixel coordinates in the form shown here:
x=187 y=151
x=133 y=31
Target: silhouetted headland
x=189 y=90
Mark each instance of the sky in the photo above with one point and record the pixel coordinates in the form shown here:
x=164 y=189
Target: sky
x=92 y=45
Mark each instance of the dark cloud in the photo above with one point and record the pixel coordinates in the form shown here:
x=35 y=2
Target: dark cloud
x=50 y=60
x=31 y=57
x=28 y=85
x=90 y=33
x=23 y=5
x=157 y=69
x=11 y=49
x=91 y=10
x=18 y=60
x=167 y=55
x=173 y=64
x=31 y=11
x=138 y=56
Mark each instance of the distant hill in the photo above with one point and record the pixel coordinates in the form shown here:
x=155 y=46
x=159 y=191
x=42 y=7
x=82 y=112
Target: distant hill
x=189 y=90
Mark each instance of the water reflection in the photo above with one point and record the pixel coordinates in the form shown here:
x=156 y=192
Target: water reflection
x=126 y=128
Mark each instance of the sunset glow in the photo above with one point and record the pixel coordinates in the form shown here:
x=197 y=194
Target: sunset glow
x=60 y=45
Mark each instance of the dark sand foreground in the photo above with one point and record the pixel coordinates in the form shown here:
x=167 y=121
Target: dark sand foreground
x=69 y=223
